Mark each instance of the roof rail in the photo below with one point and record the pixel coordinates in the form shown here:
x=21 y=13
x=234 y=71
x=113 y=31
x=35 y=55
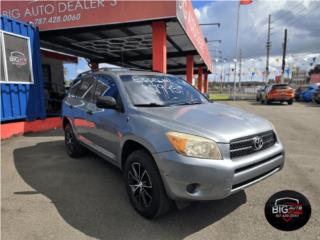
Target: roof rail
x=111 y=69
x=86 y=73
x=123 y=68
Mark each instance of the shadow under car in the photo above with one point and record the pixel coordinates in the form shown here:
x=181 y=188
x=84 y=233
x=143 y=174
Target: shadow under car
x=89 y=194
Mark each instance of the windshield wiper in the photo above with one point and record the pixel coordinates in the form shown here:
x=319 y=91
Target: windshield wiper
x=150 y=105
x=186 y=103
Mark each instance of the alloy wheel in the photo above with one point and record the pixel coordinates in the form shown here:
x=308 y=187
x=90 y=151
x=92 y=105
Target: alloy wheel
x=140 y=185
x=69 y=140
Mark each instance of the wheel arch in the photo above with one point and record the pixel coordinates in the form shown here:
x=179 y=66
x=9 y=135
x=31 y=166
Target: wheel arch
x=65 y=121
x=131 y=145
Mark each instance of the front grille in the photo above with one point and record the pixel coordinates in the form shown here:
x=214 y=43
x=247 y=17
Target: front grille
x=254 y=178
x=244 y=146
x=238 y=170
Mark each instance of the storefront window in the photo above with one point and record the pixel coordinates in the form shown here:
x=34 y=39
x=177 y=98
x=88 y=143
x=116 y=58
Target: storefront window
x=3 y=77
x=17 y=62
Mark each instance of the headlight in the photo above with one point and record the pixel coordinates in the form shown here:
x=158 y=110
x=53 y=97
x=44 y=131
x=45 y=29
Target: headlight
x=194 y=146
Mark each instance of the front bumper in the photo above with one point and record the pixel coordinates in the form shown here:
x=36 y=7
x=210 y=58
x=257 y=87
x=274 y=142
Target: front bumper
x=216 y=179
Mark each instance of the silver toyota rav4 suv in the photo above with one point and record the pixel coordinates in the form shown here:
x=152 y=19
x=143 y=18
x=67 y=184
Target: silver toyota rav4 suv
x=171 y=143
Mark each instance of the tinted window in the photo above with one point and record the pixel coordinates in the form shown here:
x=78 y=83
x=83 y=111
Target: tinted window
x=106 y=87
x=74 y=87
x=160 y=90
x=84 y=87
x=100 y=89
x=89 y=95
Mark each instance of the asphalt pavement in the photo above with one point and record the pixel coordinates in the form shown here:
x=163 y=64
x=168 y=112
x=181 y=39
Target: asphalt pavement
x=47 y=195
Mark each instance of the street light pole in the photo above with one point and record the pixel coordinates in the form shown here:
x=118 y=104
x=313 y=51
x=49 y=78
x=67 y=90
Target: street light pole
x=234 y=79
x=221 y=74
x=240 y=68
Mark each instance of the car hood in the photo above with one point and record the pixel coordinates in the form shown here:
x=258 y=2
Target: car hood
x=216 y=121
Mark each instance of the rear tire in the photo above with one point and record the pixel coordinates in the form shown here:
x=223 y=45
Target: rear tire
x=144 y=185
x=73 y=147
x=290 y=102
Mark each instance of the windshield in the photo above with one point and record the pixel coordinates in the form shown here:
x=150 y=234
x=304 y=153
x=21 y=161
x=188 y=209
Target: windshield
x=155 y=90
x=281 y=86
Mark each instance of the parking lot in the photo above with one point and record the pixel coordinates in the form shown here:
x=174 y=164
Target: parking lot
x=47 y=195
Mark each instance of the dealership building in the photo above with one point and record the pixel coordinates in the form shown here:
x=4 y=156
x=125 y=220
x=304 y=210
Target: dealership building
x=38 y=37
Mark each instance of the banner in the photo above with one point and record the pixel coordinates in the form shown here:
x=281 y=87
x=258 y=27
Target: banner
x=49 y=15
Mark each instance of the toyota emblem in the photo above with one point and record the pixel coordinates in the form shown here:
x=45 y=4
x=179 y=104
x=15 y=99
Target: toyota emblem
x=257 y=143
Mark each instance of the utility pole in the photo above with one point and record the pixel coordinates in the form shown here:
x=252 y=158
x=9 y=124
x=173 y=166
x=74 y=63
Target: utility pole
x=284 y=51
x=268 y=46
x=236 y=52
x=240 y=65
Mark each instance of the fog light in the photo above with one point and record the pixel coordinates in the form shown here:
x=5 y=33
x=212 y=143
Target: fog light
x=193 y=188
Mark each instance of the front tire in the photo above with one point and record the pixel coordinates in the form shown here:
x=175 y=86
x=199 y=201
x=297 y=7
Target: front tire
x=144 y=185
x=290 y=101
x=73 y=147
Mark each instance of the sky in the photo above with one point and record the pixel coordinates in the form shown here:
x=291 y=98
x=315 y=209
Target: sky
x=301 y=18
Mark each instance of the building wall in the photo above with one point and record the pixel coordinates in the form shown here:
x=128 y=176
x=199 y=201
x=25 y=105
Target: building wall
x=23 y=101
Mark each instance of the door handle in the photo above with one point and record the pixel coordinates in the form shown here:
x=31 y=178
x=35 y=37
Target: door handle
x=89 y=112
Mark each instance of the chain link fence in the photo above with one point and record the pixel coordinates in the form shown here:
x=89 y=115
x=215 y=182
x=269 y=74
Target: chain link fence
x=228 y=92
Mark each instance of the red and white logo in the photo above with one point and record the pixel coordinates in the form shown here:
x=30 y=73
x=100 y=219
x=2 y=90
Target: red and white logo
x=287 y=208
x=18 y=59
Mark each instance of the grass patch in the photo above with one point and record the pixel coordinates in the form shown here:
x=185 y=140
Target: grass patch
x=219 y=96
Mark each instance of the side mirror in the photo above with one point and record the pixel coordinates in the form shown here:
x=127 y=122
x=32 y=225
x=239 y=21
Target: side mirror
x=106 y=102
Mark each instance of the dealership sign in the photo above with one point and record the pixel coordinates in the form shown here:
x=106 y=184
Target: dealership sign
x=49 y=15
x=188 y=20
x=52 y=15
